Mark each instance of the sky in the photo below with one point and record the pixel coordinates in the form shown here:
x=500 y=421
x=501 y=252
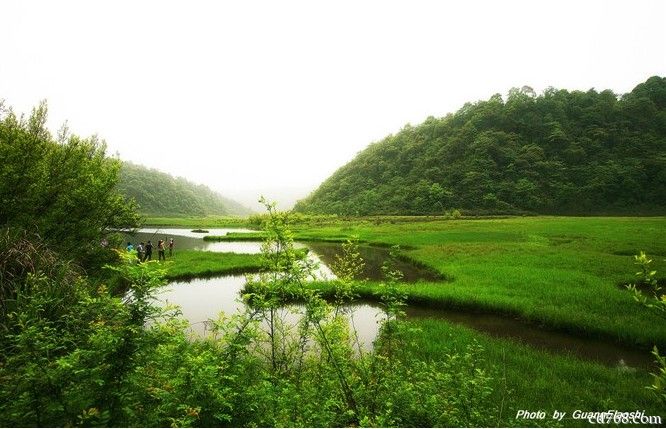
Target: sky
x=271 y=97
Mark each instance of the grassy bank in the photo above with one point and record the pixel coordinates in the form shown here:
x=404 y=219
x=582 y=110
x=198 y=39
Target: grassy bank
x=260 y=236
x=529 y=379
x=200 y=222
x=561 y=272
x=236 y=236
x=187 y=264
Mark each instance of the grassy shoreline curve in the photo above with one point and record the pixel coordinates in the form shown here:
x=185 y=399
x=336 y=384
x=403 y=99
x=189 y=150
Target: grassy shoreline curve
x=189 y=264
x=525 y=378
x=559 y=272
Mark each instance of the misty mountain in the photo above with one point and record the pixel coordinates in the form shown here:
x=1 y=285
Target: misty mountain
x=160 y=194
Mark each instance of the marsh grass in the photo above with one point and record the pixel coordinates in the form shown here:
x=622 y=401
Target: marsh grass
x=554 y=271
x=560 y=272
x=188 y=264
x=197 y=222
x=525 y=378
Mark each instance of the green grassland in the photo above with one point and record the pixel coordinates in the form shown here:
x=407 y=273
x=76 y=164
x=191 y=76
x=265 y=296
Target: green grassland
x=561 y=273
x=524 y=378
x=187 y=264
x=199 y=222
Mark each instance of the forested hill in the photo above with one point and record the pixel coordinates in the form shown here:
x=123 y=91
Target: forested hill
x=161 y=194
x=559 y=152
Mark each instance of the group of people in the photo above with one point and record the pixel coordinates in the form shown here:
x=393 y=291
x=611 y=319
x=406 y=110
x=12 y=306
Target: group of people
x=144 y=251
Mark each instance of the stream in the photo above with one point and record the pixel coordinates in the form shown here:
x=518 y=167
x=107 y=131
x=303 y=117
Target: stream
x=201 y=300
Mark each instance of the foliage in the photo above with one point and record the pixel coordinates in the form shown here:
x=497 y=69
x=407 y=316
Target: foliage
x=348 y=266
x=381 y=388
x=63 y=188
x=193 y=221
x=161 y=194
x=392 y=300
x=68 y=346
x=453 y=214
x=26 y=263
x=655 y=301
x=560 y=152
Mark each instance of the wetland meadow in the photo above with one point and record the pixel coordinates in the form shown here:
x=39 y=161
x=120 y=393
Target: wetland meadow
x=544 y=297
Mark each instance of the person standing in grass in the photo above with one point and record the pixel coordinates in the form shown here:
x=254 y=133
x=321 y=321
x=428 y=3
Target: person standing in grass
x=149 y=251
x=160 y=250
x=129 y=247
x=140 y=251
x=171 y=245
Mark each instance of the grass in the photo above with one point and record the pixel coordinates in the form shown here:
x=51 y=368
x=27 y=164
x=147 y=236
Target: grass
x=236 y=236
x=260 y=236
x=529 y=379
x=560 y=272
x=199 y=222
x=187 y=264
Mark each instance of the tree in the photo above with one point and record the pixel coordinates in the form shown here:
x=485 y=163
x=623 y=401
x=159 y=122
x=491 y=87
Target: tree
x=561 y=152
x=65 y=190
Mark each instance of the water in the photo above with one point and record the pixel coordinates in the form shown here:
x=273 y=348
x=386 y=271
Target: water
x=202 y=299
x=185 y=239
x=374 y=258
x=323 y=253
x=556 y=342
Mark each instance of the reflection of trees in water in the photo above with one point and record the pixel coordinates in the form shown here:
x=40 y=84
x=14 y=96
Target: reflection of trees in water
x=374 y=257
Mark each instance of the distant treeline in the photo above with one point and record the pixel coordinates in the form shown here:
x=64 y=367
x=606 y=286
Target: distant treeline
x=161 y=194
x=559 y=152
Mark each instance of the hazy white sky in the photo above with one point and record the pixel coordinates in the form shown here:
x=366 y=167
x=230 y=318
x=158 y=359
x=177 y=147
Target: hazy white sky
x=260 y=96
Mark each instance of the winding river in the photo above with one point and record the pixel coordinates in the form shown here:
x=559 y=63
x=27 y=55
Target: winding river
x=201 y=300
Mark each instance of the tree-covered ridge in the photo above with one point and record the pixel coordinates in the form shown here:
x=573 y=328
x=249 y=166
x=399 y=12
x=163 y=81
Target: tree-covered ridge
x=158 y=193
x=559 y=152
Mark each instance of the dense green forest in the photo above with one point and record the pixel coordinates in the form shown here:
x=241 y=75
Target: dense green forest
x=158 y=193
x=59 y=189
x=561 y=152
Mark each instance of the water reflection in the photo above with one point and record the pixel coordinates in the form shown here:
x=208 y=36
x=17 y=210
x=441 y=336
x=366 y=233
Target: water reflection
x=374 y=257
x=185 y=239
x=324 y=253
x=202 y=299
x=557 y=342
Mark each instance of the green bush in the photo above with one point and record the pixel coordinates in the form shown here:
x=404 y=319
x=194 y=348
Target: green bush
x=75 y=355
x=63 y=189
